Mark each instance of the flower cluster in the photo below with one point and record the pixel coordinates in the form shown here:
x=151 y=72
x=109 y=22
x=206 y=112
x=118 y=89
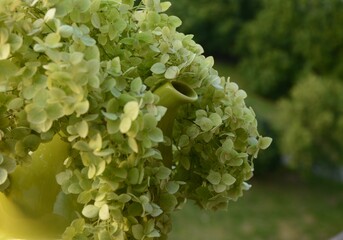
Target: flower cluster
x=87 y=70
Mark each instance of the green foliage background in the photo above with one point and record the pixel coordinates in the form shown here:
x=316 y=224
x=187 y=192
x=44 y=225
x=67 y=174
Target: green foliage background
x=274 y=42
x=312 y=137
x=216 y=24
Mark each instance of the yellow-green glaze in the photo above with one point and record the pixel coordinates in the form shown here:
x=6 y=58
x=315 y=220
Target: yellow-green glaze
x=27 y=212
x=172 y=95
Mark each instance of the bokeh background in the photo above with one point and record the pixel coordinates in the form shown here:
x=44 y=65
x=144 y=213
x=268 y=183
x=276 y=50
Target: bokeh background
x=288 y=56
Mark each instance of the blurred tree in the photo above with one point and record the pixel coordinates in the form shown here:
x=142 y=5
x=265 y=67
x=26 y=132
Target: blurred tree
x=311 y=124
x=269 y=61
x=215 y=24
x=288 y=38
x=320 y=39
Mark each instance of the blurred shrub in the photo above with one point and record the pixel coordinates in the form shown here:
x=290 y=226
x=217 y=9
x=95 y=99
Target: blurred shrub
x=266 y=46
x=311 y=124
x=320 y=36
x=288 y=38
x=215 y=24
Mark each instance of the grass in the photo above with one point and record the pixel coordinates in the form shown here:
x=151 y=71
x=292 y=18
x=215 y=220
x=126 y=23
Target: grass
x=278 y=207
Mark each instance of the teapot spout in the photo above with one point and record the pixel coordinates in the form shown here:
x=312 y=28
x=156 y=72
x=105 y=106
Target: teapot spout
x=172 y=95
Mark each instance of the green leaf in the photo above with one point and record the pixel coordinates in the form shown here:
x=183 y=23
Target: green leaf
x=125 y=125
x=3 y=175
x=138 y=231
x=183 y=141
x=35 y=114
x=76 y=58
x=228 y=144
x=154 y=234
x=185 y=162
x=165 y=6
x=104 y=235
x=204 y=123
x=82 y=5
x=163 y=173
x=88 y=41
x=216 y=119
x=82 y=128
x=265 y=142
x=66 y=31
x=201 y=113
x=9 y=164
x=145 y=37
x=168 y=202
x=252 y=141
x=52 y=39
x=172 y=72
x=95 y=19
x=7 y=69
x=78 y=224
x=82 y=146
x=177 y=45
x=112 y=126
x=193 y=131
x=63 y=177
x=123 y=198
x=135 y=209
x=112 y=105
x=4 y=35
x=133 y=176
x=228 y=179
x=235 y=162
x=172 y=187
x=157 y=211
x=149 y=121
x=165 y=57
x=136 y=85
x=74 y=188
x=15 y=41
x=5 y=51
x=90 y=211
x=16 y=103
x=104 y=212
x=120 y=172
x=175 y=21
x=158 y=68
x=241 y=94
x=219 y=188
x=95 y=142
x=131 y=110
x=54 y=111
x=110 y=116
x=156 y=135
x=91 y=171
x=84 y=197
x=31 y=142
x=133 y=144
x=214 y=177
x=81 y=107
x=50 y=14
x=101 y=167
